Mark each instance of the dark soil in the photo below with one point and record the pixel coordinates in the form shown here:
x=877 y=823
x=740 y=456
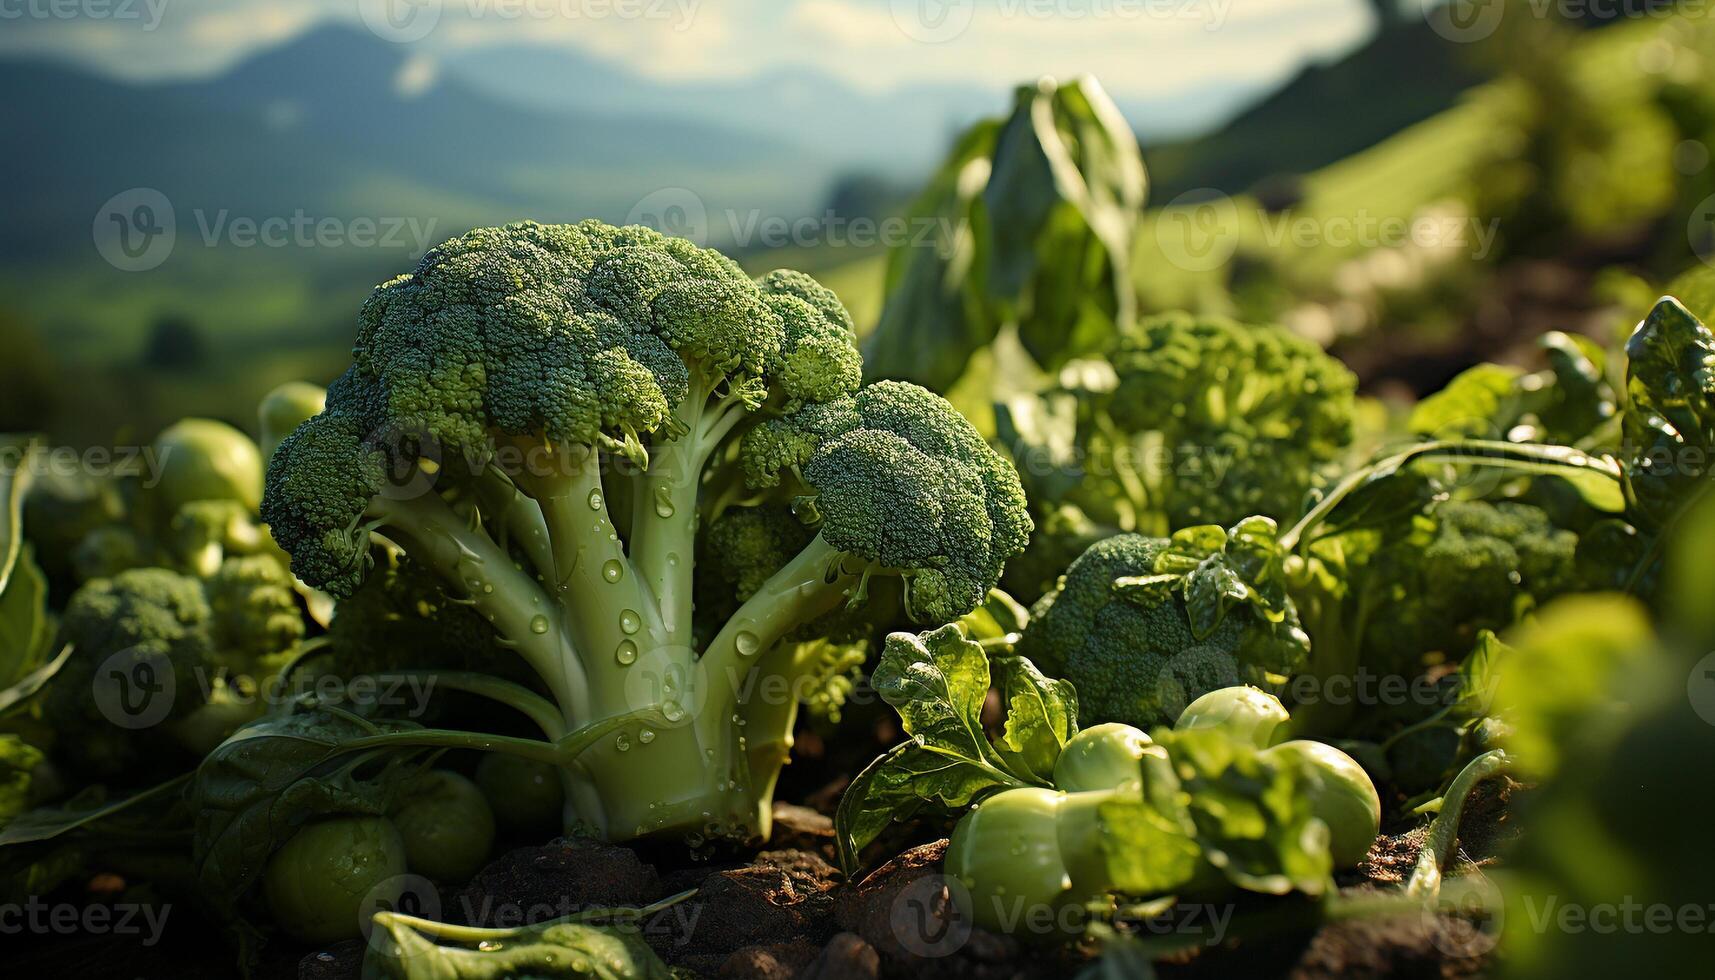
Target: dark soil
x=788 y=914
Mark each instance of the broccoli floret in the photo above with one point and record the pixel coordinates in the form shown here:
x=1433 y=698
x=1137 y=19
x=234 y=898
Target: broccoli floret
x=1132 y=654
x=1062 y=534
x=19 y=764
x=1208 y=421
x=170 y=650
x=524 y=382
x=403 y=619
x=1473 y=572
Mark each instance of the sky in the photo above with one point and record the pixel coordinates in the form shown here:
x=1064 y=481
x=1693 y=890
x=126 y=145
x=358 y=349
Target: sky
x=1138 y=48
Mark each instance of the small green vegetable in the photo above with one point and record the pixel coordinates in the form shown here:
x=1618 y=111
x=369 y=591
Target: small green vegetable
x=1106 y=756
x=1341 y=796
x=447 y=826
x=1245 y=711
x=318 y=882
x=202 y=459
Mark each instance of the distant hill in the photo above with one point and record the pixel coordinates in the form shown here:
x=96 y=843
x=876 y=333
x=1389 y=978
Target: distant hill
x=1330 y=111
x=337 y=123
x=900 y=132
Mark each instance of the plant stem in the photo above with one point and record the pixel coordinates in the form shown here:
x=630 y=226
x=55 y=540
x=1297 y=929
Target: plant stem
x=1525 y=457
x=506 y=596
x=528 y=703
x=1444 y=829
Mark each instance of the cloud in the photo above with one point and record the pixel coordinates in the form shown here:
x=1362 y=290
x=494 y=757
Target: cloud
x=1138 y=48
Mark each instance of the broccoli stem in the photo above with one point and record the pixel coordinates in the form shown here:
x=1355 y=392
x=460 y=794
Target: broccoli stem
x=664 y=514
x=506 y=596
x=809 y=585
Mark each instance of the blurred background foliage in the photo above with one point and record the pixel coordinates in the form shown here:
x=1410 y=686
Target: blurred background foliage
x=1581 y=146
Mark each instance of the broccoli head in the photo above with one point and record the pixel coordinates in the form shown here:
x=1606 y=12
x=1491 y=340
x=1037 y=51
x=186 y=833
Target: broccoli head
x=1480 y=567
x=1207 y=420
x=1133 y=652
x=579 y=429
x=203 y=646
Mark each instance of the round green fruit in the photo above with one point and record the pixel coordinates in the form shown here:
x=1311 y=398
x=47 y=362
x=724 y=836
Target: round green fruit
x=1105 y=756
x=319 y=884
x=1341 y=796
x=447 y=826
x=1244 y=711
x=202 y=459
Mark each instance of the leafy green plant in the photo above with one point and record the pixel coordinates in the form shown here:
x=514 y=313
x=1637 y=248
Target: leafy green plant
x=1064 y=817
x=1037 y=213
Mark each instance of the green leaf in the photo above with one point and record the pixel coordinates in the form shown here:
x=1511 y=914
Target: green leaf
x=1210 y=590
x=1251 y=815
x=999 y=617
x=15 y=454
x=1042 y=714
x=402 y=951
x=895 y=788
x=1480 y=403
x=81 y=811
x=553 y=949
x=25 y=632
x=258 y=787
x=938 y=681
x=1148 y=851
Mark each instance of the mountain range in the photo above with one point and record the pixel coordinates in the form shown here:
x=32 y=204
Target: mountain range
x=337 y=123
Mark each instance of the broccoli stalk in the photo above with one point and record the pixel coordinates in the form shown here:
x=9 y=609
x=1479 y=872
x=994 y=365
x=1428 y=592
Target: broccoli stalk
x=567 y=413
